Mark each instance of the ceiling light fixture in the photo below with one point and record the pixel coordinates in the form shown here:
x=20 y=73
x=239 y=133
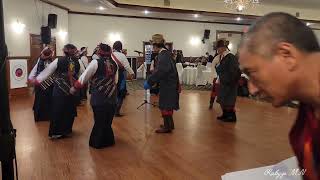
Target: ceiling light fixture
x=240 y=5
x=196 y=15
x=238 y=19
x=146 y=12
x=101 y=8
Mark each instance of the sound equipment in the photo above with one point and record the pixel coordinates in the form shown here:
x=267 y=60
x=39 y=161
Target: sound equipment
x=206 y=34
x=52 y=21
x=45 y=34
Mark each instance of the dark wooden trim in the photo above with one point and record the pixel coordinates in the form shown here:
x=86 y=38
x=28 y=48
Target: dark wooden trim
x=154 y=18
x=113 y=3
x=18 y=57
x=55 y=4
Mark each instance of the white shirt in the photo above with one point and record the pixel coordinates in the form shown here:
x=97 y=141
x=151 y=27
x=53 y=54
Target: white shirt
x=33 y=72
x=90 y=71
x=48 y=71
x=84 y=62
x=124 y=61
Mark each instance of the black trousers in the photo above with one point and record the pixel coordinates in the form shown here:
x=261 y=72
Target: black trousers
x=102 y=133
x=63 y=114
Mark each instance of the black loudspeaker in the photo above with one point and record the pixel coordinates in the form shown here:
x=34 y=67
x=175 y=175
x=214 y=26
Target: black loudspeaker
x=45 y=34
x=206 y=34
x=52 y=21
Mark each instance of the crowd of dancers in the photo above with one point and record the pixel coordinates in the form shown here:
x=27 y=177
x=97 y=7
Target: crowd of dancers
x=278 y=53
x=61 y=85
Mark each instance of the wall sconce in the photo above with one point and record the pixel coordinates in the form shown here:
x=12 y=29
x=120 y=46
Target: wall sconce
x=114 y=37
x=230 y=46
x=63 y=34
x=18 y=27
x=195 y=41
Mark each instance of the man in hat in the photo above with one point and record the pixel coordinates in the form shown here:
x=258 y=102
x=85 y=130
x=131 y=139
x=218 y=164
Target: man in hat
x=167 y=75
x=43 y=94
x=103 y=74
x=281 y=56
x=228 y=76
x=124 y=66
x=66 y=70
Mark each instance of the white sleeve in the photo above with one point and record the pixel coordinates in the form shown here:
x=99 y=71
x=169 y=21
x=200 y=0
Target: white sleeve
x=85 y=60
x=33 y=72
x=125 y=63
x=89 y=72
x=48 y=71
x=82 y=68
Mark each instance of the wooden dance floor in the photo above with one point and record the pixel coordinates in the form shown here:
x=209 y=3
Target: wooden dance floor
x=200 y=148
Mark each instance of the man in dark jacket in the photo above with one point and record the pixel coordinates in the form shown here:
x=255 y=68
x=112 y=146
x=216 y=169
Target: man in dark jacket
x=167 y=75
x=228 y=74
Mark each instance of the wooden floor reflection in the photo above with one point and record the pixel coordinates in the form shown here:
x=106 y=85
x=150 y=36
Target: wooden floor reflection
x=200 y=147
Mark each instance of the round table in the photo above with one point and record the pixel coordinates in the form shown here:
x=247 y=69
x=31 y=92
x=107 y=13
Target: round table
x=189 y=75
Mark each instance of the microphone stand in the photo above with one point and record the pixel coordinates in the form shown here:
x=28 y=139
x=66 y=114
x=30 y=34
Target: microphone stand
x=146 y=91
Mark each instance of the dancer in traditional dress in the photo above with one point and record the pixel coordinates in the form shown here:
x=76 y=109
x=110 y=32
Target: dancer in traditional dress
x=124 y=66
x=229 y=73
x=167 y=75
x=64 y=112
x=83 y=61
x=103 y=75
x=43 y=93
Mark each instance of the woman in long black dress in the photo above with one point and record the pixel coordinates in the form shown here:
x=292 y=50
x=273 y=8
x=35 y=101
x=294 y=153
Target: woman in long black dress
x=43 y=93
x=66 y=69
x=103 y=75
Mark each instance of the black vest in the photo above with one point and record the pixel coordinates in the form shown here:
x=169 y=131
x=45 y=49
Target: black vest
x=42 y=65
x=102 y=86
x=62 y=81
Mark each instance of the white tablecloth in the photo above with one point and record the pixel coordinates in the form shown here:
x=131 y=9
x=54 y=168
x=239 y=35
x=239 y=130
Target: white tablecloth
x=189 y=76
x=208 y=76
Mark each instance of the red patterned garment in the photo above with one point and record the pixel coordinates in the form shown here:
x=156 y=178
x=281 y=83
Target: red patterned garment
x=305 y=141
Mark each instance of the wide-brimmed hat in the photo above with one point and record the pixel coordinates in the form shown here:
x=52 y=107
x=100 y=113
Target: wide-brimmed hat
x=157 y=39
x=220 y=43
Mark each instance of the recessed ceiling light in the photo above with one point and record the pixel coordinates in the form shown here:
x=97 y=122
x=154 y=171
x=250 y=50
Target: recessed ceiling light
x=196 y=15
x=146 y=12
x=238 y=19
x=101 y=8
x=308 y=24
x=240 y=8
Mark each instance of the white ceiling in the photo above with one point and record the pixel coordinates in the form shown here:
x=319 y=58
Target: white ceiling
x=91 y=7
x=312 y=4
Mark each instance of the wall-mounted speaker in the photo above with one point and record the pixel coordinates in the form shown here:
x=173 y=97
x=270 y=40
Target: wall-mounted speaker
x=52 y=21
x=206 y=34
x=45 y=34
